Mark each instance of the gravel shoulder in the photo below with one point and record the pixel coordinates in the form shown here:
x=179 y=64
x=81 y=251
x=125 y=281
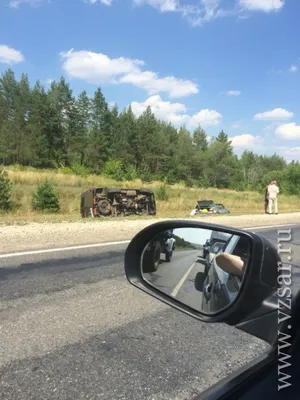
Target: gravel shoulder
x=34 y=236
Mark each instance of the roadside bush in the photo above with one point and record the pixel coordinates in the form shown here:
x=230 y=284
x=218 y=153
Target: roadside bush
x=162 y=193
x=75 y=169
x=65 y=170
x=171 y=179
x=131 y=174
x=188 y=183
x=202 y=183
x=5 y=191
x=145 y=176
x=114 y=169
x=119 y=176
x=80 y=170
x=241 y=187
x=45 y=198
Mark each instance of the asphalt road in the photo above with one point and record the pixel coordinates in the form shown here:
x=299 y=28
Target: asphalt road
x=72 y=327
x=177 y=277
x=169 y=275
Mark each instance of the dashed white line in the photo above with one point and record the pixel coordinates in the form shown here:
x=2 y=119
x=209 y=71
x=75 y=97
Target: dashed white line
x=87 y=246
x=181 y=282
x=270 y=226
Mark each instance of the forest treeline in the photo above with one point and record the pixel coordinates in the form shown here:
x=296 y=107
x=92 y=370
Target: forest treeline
x=54 y=129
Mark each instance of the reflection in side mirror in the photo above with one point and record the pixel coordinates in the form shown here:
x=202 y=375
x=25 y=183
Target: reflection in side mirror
x=201 y=268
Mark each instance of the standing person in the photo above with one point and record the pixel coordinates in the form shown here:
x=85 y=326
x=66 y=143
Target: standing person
x=267 y=197
x=273 y=191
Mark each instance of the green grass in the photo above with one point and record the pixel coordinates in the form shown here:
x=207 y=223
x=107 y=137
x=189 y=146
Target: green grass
x=181 y=200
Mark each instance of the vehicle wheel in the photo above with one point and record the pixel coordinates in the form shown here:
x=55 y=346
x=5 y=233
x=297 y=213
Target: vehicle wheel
x=169 y=255
x=142 y=211
x=151 y=258
x=199 y=280
x=104 y=207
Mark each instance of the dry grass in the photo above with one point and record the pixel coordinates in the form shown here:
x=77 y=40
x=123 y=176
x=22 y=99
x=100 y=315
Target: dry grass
x=181 y=200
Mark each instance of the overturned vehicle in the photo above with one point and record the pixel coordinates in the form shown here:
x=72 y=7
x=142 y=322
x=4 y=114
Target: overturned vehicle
x=97 y=202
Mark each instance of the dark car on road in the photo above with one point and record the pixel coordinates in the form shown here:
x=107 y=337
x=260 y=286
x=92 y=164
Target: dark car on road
x=215 y=237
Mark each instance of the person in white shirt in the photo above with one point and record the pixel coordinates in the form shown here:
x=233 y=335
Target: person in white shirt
x=273 y=191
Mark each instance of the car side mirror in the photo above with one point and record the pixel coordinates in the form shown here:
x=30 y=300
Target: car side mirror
x=235 y=288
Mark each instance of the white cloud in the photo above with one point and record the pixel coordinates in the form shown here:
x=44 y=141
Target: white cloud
x=16 y=3
x=8 y=55
x=288 y=153
x=278 y=114
x=246 y=141
x=206 y=118
x=165 y=110
x=204 y=11
x=293 y=68
x=105 y=2
x=262 y=5
x=293 y=152
x=150 y=82
x=289 y=131
x=207 y=10
x=99 y=68
x=176 y=113
x=233 y=92
x=161 y=5
x=270 y=128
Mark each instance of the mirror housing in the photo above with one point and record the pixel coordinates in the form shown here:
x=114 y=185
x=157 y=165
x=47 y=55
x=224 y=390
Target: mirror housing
x=256 y=298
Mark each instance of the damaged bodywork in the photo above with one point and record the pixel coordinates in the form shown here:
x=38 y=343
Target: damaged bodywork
x=97 y=202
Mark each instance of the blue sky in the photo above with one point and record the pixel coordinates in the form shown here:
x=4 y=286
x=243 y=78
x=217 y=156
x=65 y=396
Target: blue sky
x=226 y=64
x=193 y=235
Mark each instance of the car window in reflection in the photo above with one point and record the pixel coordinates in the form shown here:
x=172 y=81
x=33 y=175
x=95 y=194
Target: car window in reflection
x=238 y=246
x=222 y=275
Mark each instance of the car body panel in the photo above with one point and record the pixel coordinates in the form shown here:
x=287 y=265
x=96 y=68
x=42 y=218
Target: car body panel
x=222 y=287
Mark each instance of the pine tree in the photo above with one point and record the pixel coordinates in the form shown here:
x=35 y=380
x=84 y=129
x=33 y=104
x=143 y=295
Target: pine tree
x=5 y=191
x=45 y=198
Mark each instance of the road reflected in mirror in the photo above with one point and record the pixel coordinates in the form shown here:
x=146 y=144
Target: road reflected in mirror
x=201 y=268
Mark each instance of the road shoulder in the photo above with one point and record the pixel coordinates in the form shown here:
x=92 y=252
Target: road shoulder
x=35 y=236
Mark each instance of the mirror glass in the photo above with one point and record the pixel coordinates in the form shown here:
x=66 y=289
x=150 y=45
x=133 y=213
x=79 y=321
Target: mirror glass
x=201 y=268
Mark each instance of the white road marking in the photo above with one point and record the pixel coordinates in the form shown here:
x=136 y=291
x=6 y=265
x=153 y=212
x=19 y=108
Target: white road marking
x=88 y=246
x=270 y=226
x=181 y=282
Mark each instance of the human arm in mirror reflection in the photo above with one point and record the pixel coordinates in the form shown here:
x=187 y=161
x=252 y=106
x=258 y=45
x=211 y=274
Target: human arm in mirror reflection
x=231 y=264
